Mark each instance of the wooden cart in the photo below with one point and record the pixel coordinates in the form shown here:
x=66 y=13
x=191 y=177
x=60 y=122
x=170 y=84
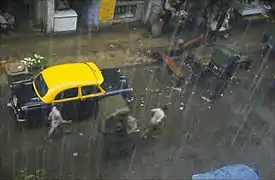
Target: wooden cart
x=17 y=72
x=112 y=138
x=174 y=67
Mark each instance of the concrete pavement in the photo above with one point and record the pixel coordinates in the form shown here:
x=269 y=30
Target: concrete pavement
x=119 y=46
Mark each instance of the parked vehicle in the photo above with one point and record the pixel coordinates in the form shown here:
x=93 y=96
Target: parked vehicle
x=77 y=87
x=221 y=66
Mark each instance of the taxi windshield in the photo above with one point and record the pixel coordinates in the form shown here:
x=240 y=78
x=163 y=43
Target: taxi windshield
x=40 y=85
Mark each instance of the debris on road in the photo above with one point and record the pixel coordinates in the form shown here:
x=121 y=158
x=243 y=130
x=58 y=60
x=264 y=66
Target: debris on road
x=111 y=46
x=176 y=89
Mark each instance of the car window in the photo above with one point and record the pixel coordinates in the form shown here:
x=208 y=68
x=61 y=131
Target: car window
x=89 y=90
x=69 y=93
x=40 y=85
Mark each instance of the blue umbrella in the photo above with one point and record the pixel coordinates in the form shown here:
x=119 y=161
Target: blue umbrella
x=232 y=172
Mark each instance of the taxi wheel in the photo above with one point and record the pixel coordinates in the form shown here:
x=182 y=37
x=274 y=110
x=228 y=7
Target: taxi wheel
x=19 y=126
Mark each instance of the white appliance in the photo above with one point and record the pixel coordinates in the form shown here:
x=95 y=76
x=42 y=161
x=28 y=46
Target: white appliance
x=65 y=20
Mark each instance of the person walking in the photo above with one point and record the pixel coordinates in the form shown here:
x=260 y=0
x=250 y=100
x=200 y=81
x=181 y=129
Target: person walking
x=56 y=120
x=156 y=122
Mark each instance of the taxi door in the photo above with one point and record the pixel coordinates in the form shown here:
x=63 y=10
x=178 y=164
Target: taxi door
x=69 y=102
x=88 y=106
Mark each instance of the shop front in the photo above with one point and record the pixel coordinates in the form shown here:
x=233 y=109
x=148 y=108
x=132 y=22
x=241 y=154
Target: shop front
x=114 y=11
x=55 y=16
x=65 y=18
x=69 y=15
x=252 y=8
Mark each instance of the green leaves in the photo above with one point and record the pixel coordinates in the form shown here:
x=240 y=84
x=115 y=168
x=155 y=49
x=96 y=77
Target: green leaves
x=24 y=174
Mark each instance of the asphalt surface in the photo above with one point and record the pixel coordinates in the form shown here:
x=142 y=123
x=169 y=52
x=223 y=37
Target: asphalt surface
x=197 y=136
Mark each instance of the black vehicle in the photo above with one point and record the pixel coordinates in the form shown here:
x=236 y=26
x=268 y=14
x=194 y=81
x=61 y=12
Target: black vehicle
x=221 y=67
x=31 y=99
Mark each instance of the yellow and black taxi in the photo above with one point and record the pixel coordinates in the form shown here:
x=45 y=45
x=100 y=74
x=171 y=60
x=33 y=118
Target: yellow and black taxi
x=76 y=87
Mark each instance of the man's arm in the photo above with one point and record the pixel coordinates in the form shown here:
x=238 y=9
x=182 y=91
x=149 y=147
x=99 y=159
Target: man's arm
x=61 y=118
x=66 y=121
x=50 y=116
x=162 y=116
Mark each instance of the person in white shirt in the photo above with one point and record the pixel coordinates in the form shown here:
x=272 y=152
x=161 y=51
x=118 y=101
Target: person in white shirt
x=157 y=120
x=56 y=120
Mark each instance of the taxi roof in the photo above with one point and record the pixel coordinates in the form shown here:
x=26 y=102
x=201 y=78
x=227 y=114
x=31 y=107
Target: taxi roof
x=72 y=74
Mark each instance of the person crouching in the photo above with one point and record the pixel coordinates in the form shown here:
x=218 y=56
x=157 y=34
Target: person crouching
x=156 y=122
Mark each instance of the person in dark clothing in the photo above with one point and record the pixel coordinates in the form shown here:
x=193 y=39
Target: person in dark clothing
x=223 y=6
x=172 y=6
x=169 y=9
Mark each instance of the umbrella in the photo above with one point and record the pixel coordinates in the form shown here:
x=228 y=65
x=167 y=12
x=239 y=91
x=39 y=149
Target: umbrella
x=238 y=171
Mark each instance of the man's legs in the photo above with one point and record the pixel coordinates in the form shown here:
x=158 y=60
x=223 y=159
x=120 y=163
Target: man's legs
x=65 y=128
x=151 y=130
x=51 y=131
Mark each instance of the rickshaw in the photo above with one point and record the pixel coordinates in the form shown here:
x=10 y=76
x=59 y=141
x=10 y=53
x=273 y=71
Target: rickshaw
x=219 y=69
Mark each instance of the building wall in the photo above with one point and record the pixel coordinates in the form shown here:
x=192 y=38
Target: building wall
x=43 y=13
x=49 y=26
x=40 y=7
x=149 y=6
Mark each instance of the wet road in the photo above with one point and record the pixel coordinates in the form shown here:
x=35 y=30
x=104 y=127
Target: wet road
x=197 y=137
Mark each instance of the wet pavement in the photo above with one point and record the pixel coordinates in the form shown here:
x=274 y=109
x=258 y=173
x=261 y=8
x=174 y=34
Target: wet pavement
x=198 y=137
x=118 y=45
